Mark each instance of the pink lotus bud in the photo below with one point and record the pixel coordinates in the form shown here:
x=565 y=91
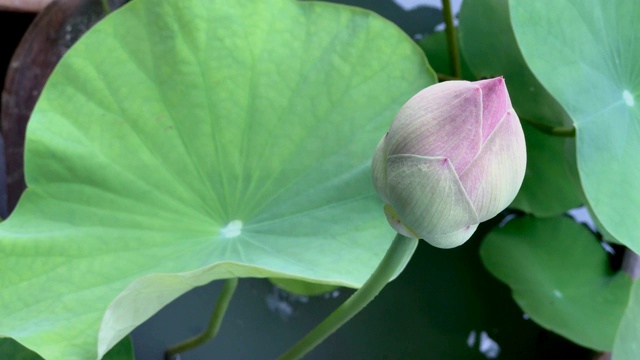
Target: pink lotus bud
x=454 y=156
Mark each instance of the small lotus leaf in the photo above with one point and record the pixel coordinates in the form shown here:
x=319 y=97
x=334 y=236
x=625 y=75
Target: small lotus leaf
x=560 y=276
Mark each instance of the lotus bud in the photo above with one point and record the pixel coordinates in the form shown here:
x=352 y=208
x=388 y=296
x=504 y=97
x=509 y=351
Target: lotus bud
x=454 y=157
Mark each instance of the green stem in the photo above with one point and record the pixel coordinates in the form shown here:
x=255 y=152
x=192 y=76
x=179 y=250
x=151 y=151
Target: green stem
x=452 y=40
x=105 y=7
x=214 y=323
x=555 y=131
x=393 y=259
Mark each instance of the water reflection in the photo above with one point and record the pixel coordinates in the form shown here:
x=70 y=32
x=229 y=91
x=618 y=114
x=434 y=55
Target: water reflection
x=471 y=339
x=487 y=346
x=332 y=295
x=282 y=302
x=608 y=248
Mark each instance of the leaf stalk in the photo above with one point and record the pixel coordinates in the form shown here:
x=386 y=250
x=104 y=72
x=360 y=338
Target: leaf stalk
x=452 y=39
x=105 y=6
x=214 y=323
x=400 y=248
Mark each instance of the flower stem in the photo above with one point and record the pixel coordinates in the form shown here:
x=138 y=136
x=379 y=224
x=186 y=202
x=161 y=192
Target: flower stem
x=105 y=7
x=452 y=40
x=400 y=249
x=214 y=323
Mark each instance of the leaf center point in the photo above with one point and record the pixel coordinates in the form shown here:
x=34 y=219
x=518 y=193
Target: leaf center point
x=628 y=98
x=233 y=229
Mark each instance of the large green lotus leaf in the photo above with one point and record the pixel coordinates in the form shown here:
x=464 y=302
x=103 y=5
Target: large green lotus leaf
x=489 y=47
x=181 y=142
x=586 y=54
x=547 y=189
x=626 y=346
x=560 y=276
